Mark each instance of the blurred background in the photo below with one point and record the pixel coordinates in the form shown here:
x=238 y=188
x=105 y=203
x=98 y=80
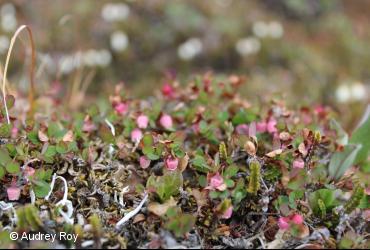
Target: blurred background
x=310 y=52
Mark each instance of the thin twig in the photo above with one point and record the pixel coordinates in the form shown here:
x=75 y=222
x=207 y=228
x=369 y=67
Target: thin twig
x=31 y=92
x=132 y=213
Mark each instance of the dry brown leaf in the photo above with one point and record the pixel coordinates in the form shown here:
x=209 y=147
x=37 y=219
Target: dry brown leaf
x=200 y=197
x=302 y=149
x=184 y=162
x=250 y=148
x=284 y=136
x=304 y=231
x=68 y=137
x=161 y=209
x=139 y=218
x=274 y=153
x=42 y=136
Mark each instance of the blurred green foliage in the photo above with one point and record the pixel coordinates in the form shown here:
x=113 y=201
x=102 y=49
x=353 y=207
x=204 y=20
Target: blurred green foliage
x=310 y=51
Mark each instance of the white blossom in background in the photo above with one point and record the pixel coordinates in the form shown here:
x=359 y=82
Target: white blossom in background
x=118 y=41
x=276 y=30
x=355 y=91
x=71 y=62
x=104 y=58
x=272 y=29
x=4 y=44
x=358 y=91
x=260 y=29
x=66 y=64
x=46 y=62
x=7 y=9
x=90 y=57
x=96 y=58
x=189 y=49
x=114 y=12
x=248 y=46
x=8 y=18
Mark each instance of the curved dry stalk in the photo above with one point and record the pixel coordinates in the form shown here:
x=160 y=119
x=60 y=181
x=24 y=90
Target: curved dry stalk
x=33 y=59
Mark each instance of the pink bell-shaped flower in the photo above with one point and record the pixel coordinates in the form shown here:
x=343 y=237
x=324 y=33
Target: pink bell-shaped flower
x=14 y=192
x=166 y=121
x=121 y=108
x=298 y=163
x=144 y=162
x=136 y=135
x=227 y=214
x=142 y=121
x=283 y=223
x=172 y=163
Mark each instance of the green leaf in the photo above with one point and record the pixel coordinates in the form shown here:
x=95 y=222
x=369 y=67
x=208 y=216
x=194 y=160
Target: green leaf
x=223 y=116
x=33 y=137
x=200 y=164
x=4 y=157
x=151 y=156
x=10 y=101
x=55 y=131
x=148 y=140
x=341 y=133
x=41 y=188
x=62 y=148
x=50 y=151
x=341 y=161
x=178 y=151
x=294 y=196
x=2 y=172
x=229 y=183
x=167 y=185
x=5 y=130
x=243 y=117
x=181 y=224
x=281 y=200
x=365 y=202
x=239 y=192
x=214 y=194
x=328 y=196
x=13 y=167
x=231 y=171
x=202 y=181
x=362 y=136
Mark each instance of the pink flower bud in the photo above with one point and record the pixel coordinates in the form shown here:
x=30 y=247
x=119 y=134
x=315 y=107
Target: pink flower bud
x=88 y=126
x=196 y=128
x=144 y=162
x=14 y=193
x=271 y=126
x=166 y=121
x=261 y=127
x=299 y=163
x=14 y=132
x=227 y=214
x=167 y=90
x=242 y=129
x=297 y=219
x=217 y=182
x=142 y=121
x=319 y=109
x=172 y=163
x=283 y=223
x=121 y=108
x=136 y=135
x=28 y=171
